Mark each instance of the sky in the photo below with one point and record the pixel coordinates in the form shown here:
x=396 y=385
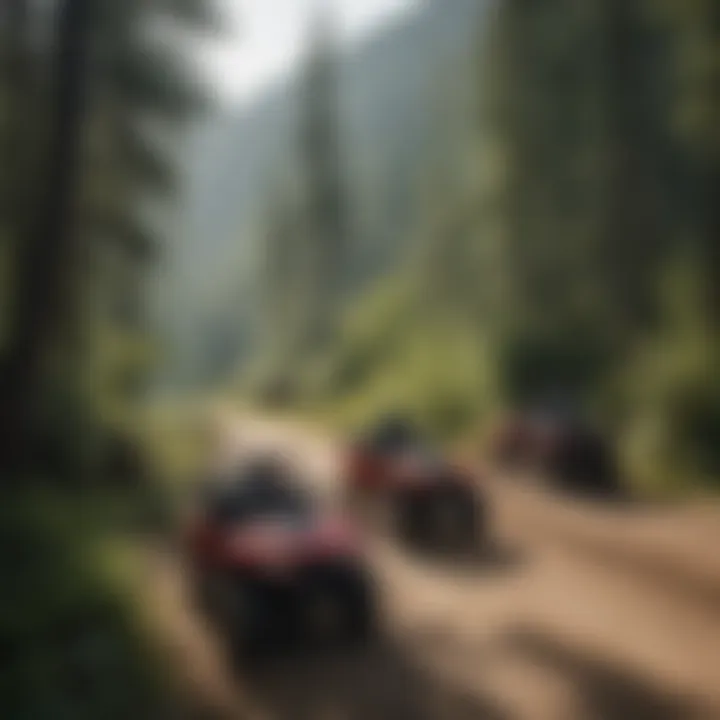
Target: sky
x=264 y=38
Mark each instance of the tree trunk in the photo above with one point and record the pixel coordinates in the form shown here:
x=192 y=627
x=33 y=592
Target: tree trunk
x=47 y=253
x=14 y=78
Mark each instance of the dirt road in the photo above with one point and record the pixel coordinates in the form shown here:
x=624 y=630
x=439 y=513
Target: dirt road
x=559 y=622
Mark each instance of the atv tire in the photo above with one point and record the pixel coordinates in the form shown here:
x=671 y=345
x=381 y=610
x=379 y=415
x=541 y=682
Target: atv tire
x=263 y=622
x=350 y=589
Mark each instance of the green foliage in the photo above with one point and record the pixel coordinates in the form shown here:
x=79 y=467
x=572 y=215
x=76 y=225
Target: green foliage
x=601 y=196
x=537 y=362
x=672 y=389
x=307 y=234
x=431 y=365
x=95 y=353
x=583 y=261
x=73 y=643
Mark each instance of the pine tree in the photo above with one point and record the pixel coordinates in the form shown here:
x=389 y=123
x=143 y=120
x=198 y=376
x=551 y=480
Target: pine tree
x=109 y=81
x=325 y=226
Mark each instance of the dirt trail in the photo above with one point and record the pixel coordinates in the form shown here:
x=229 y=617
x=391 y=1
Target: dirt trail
x=544 y=628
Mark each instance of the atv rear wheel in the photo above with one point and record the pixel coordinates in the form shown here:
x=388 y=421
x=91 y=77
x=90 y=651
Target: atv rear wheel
x=337 y=603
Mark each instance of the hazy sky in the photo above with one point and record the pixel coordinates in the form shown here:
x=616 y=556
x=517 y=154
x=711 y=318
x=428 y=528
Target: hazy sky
x=265 y=37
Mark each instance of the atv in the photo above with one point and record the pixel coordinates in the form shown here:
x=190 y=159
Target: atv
x=392 y=471
x=559 y=447
x=273 y=567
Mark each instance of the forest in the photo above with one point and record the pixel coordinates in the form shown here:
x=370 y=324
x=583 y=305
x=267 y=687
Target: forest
x=90 y=94
x=564 y=247
x=552 y=230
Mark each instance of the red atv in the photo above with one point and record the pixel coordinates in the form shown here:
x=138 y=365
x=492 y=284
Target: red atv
x=272 y=565
x=558 y=446
x=428 y=500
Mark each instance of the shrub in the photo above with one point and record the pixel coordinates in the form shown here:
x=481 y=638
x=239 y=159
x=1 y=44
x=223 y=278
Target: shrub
x=70 y=641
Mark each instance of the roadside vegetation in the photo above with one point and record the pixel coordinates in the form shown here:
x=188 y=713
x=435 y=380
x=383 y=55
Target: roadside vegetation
x=90 y=94
x=567 y=249
x=71 y=625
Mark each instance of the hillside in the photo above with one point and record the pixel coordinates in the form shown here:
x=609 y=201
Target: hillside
x=396 y=93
